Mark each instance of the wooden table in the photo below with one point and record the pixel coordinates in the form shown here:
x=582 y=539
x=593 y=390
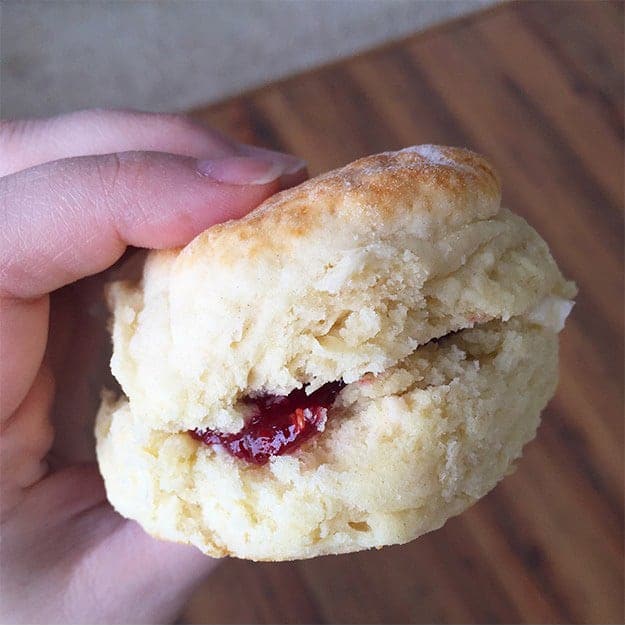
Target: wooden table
x=538 y=88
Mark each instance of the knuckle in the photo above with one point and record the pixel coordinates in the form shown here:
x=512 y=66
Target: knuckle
x=108 y=169
x=120 y=177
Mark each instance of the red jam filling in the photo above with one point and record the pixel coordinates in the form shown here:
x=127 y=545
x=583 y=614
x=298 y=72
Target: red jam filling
x=279 y=424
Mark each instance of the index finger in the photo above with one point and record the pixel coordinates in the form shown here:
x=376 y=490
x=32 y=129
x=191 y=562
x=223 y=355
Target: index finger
x=68 y=219
x=71 y=218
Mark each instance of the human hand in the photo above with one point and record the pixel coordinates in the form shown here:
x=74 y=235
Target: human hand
x=75 y=192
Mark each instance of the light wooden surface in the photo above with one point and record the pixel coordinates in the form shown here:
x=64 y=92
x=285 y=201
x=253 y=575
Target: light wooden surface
x=538 y=88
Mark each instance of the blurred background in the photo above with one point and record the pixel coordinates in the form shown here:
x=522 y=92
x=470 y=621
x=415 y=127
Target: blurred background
x=173 y=55
x=535 y=86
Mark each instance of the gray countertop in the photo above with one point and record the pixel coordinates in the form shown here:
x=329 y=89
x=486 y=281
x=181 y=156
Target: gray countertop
x=167 y=55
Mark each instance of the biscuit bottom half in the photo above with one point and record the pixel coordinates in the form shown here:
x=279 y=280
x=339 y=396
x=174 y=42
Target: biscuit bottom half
x=401 y=452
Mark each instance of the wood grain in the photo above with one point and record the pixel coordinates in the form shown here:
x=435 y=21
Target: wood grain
x=538 y=88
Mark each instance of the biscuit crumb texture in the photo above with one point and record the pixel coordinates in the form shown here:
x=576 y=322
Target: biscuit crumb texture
x=402 y=452
x=341 y=276
x=399 y=274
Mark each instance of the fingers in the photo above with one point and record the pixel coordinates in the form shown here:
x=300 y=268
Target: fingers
x=75 y=192
x=108 y=569
x=63 y=494
x=173 y=568
x=31 y=142
x=26 y=143
x=72 y=218
x=26 y=438
x=23 y=336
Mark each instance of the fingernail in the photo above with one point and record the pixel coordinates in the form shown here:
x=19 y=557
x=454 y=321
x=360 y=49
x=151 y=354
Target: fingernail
x=241 y=170
x=292 y=164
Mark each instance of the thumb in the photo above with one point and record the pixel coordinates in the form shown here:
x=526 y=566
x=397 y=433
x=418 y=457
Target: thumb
x=67 y=219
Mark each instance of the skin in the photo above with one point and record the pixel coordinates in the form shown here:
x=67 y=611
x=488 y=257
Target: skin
x=75 y=192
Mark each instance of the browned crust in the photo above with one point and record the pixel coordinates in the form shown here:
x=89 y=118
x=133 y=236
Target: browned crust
x=432 y=181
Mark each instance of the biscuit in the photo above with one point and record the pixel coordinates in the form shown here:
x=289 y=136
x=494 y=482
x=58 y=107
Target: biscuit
x=400 y=280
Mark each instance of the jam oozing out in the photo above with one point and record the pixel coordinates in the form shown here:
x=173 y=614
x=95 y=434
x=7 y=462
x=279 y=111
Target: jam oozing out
x=279 y=424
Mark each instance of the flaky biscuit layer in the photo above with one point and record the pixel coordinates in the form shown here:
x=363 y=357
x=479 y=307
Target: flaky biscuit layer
x=351 y=276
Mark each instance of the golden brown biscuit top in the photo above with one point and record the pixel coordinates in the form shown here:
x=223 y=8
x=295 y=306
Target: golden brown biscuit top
x=436 y=185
